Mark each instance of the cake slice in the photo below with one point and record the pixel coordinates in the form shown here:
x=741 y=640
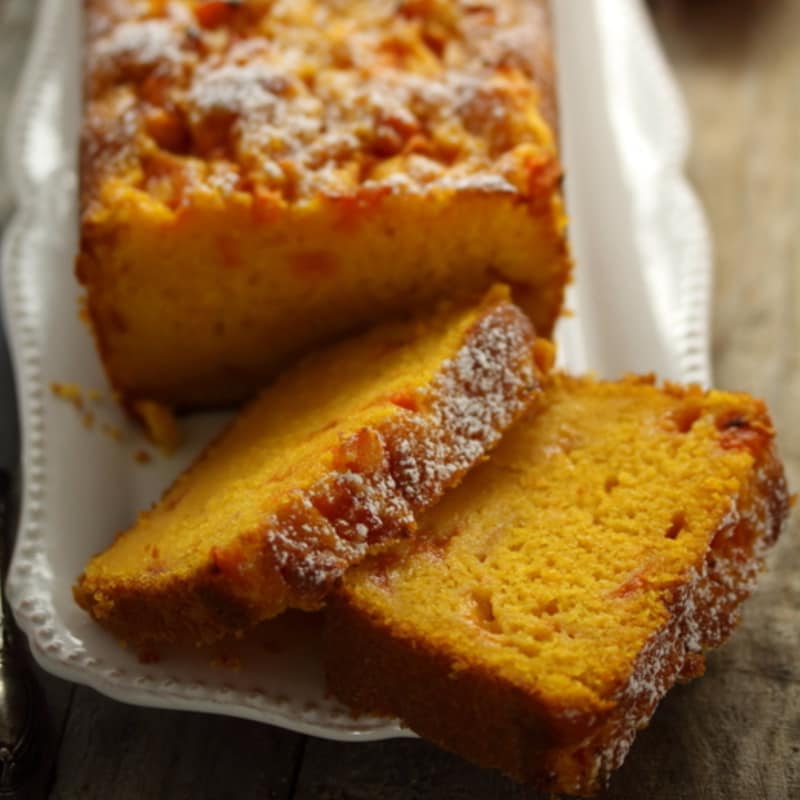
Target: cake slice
x=260 y=178
x=335 y=459
x=547 y=604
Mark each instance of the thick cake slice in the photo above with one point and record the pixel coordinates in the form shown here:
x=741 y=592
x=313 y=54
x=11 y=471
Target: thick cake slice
x=334 y=460
x=260 y=178
x=548 y=603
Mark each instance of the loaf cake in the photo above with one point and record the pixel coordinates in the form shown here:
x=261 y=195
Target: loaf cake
x=335 y=459
x=258 y=178
x=546 y=605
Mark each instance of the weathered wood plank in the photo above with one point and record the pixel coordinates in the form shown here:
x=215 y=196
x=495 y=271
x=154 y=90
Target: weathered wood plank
x=129 y=753
x=397 y=770
x=56 y=698
x=733 y=734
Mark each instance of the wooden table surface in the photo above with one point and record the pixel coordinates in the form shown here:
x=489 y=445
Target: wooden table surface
x=734 y=734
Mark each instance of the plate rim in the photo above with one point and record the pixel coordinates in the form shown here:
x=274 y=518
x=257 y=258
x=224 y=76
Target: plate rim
x=693 y=341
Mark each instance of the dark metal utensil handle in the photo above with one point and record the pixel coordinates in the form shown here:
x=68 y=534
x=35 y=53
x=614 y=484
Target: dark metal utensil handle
x=21 y=706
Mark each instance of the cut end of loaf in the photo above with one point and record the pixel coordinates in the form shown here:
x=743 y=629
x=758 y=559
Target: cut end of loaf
x=298 y=172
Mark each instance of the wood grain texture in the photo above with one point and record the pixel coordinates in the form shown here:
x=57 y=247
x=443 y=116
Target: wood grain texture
x=110 y=750
x=405 y=769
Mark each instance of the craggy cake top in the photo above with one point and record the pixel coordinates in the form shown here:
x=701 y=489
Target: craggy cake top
x=289 y=99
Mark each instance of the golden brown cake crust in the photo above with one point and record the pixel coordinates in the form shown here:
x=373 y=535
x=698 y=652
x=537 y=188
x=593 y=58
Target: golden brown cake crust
x=163 y=80
x=381 y=477
x=249 y=172
x=468 y=709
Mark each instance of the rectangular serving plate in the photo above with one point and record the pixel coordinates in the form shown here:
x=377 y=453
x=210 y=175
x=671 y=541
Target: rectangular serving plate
x=639 y=304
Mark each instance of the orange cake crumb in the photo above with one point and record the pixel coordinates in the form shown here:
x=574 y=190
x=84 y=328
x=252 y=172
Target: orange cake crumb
x=548 y=603
x=71 y=392
x=160 y=425
x=114 y=431
x=333 y=461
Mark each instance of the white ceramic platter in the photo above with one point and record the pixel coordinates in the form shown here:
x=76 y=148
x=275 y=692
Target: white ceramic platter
x=640 y=303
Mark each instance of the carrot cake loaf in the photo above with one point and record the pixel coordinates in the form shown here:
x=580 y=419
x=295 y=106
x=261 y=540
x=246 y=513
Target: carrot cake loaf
x=334 y=460
x=260 y=177
x=546 y=605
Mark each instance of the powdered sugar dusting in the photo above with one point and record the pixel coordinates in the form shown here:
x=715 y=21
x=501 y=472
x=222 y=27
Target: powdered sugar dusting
x=223 y=178
x=139 y=43
x=476 y=183
x=704 y=609
x=349 y=95
x=241 y=89
x=340 y=518
x=477 y=394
